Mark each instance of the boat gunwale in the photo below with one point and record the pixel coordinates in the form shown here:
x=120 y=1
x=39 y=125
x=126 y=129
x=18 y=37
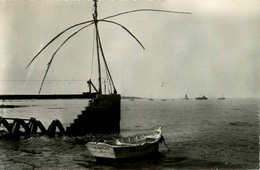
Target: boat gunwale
x=157 y=138
x=126 y=145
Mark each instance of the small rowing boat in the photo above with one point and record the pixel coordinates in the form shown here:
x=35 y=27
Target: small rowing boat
x=127 y=147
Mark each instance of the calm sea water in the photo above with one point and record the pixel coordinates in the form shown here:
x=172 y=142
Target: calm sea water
x=201 y=134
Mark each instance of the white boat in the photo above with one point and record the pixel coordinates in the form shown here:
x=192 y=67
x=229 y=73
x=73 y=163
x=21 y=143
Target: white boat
x=128 y=147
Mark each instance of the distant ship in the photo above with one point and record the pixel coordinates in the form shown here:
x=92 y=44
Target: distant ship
x=201 y=98
x=151 y=99
x=222 y=98
x=186 y=97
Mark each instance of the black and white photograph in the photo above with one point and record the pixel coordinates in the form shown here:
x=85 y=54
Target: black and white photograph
x=129 y=84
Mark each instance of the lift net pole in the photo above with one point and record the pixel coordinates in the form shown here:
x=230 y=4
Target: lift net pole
x=95 y=15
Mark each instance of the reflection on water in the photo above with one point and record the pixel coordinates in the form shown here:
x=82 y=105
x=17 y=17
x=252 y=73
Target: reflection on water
x=201 y=134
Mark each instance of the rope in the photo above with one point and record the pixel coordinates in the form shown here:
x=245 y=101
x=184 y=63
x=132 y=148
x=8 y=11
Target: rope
x=163 y=140
x=48 y=80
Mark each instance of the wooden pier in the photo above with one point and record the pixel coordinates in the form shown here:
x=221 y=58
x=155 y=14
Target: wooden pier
x=101 y=116
x=47 y=96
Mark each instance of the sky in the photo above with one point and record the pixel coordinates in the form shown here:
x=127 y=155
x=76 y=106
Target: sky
x=214 y=50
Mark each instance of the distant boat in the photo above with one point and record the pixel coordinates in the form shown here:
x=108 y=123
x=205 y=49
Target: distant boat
x=127 y=148
x=201 y=98
x=222 y=98
x=186 y=97
x=163 y=100
x=151 y=99
x=132 y=99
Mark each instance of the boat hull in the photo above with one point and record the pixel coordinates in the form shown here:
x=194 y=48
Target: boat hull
x=105 y=151
x=127 y=148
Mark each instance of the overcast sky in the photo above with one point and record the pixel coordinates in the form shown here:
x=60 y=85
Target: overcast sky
x=214 y=50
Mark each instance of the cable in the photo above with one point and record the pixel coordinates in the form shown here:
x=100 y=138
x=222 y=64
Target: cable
x=47 y=80
x=93 y=49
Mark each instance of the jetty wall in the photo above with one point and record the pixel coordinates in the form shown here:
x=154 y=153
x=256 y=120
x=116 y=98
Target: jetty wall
x=101 y=116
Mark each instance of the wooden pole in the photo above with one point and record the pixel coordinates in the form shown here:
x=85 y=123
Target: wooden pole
x=95 y=15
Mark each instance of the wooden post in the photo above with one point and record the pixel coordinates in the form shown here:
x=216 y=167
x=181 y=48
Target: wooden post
x=41 y=127
x=16 y=127
x=32 y=126
x=6 y=124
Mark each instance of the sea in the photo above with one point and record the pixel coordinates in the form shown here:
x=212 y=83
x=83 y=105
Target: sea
x=201 y=134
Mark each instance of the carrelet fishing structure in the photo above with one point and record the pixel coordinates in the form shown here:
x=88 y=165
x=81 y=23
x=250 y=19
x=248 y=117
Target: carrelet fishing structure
x=103 y=113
